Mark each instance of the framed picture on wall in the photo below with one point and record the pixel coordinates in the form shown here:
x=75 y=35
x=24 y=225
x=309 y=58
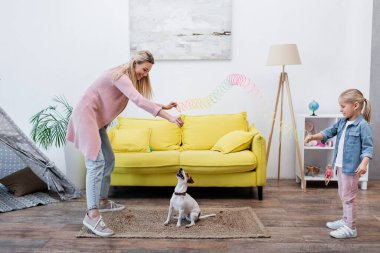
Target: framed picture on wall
x=181 y=30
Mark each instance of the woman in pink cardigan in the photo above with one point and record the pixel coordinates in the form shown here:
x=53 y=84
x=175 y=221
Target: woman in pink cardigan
x=103 y=101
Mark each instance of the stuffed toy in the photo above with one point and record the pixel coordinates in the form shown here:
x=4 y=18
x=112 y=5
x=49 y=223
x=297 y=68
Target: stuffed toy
x=313 y=170
x=310 y=130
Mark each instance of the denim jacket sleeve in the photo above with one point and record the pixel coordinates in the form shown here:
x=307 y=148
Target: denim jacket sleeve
x=366 y=139
x=330 y=132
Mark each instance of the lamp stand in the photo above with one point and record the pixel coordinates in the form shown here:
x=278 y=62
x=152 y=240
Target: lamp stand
x=284 y=83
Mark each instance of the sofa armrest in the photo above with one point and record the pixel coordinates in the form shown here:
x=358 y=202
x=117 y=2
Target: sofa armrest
x=258 y=148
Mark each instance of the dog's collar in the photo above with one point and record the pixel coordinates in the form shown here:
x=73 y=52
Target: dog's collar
x=180 y=193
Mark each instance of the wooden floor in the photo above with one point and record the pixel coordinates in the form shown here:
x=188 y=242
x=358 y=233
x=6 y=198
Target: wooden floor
x=295 y=219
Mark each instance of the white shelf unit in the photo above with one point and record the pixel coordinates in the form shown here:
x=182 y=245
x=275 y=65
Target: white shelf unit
x=319 y=156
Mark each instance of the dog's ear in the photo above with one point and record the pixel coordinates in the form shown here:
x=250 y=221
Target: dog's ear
x=190 y=180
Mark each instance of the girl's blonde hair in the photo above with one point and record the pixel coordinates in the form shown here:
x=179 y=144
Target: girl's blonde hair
x=355 y=95
x=143 y=85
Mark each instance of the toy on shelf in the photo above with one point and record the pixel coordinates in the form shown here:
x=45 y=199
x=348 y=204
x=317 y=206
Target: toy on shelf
x=328 y=143
x=313 y=106
x=311 y=130
x=328 y=174
x=313 y=170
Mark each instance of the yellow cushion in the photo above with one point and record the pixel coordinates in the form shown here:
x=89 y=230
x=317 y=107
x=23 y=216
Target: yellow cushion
x=147 y=170
x=242 y=179
x=131 y=140
x=204 y=158
x=233 y=142
x=202 y=132
x=155 y=159
x=165 y=135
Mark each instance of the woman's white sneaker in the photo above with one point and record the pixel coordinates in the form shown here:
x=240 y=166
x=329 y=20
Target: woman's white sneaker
x=344 y=232
x=97 y=226
x=336 y=224
x=111 y=207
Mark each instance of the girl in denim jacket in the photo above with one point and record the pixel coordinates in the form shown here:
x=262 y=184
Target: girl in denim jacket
x=351 y=156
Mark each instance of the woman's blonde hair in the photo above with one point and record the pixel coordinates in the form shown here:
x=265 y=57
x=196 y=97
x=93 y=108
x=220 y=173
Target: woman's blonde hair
x=355 y=95
x=143 y=85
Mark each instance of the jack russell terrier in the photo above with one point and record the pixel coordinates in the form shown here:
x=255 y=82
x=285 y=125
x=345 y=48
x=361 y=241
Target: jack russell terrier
x=186 y=206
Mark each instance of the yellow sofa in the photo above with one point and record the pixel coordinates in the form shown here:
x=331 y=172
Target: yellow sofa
x=149 y=152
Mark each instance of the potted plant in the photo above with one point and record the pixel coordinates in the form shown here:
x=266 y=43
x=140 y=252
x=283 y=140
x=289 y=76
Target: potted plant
x=50 y=124
x=49 y=128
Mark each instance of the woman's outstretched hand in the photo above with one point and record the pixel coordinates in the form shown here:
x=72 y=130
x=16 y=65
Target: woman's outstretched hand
x=177 y=120
x=173 y=119
x=169 y=106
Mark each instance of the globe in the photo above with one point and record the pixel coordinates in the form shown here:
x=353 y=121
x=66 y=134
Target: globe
x=313 y=106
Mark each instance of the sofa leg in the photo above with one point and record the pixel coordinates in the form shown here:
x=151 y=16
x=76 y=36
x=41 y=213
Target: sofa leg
x=260 y=192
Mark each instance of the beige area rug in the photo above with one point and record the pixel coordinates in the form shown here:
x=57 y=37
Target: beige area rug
x=143 y=222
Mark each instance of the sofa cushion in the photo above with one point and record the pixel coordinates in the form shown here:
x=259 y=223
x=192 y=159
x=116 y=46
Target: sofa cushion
x=142 y=160
x=164 y=136
x=233 y=142
x=221 y=163
x=216 y=171
x=172 y=169
x=131 y=140
x=202 y=132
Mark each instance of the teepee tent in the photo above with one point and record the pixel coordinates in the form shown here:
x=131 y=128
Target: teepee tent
x=17 y=151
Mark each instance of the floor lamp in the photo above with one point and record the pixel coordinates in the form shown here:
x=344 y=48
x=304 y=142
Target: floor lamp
x=281 y=55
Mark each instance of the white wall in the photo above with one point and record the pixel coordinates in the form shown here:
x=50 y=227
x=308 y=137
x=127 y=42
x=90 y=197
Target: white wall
x=49 y=48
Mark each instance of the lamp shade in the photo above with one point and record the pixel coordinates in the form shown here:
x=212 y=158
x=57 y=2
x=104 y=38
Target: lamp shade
x=283 y=54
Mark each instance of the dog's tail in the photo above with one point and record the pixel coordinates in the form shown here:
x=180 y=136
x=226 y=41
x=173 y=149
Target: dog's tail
x=207 y=215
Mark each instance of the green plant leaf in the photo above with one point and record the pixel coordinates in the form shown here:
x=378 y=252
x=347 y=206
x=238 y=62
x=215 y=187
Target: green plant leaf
x=49 y=125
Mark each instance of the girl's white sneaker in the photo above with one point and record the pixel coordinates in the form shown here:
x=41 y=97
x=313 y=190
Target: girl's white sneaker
x=335 y=224
x=344 y=232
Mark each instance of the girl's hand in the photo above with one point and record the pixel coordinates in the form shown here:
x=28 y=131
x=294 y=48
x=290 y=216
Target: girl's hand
x=361 y=170
x=177 y=120
x=169 y=106
x=308 y=139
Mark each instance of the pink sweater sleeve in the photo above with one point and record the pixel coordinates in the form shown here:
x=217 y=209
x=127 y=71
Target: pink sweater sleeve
x=125 y=85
